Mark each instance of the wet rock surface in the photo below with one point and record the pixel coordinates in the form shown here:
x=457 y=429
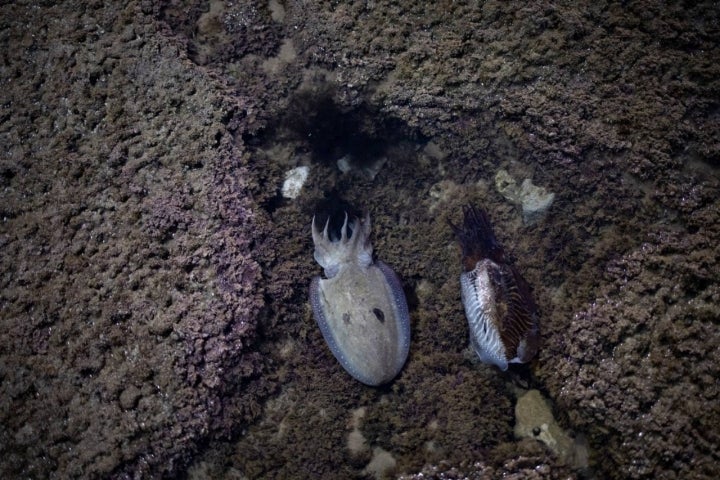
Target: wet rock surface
x=638 y=369
x=153 y=285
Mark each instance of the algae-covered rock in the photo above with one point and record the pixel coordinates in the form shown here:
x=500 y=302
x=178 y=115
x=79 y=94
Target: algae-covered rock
x=534 y=419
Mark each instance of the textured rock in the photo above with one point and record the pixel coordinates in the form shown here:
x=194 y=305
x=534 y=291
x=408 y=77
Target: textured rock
x=128 y=293
x=637 y=369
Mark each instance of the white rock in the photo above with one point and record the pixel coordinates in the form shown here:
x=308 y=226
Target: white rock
x=534 y=419
x=344 y=164
x=381 y=463
x=294 y=180
x=534 y=200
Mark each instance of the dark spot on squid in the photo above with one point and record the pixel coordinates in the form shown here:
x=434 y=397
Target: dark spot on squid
x=379 y=314
x=346 y=318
